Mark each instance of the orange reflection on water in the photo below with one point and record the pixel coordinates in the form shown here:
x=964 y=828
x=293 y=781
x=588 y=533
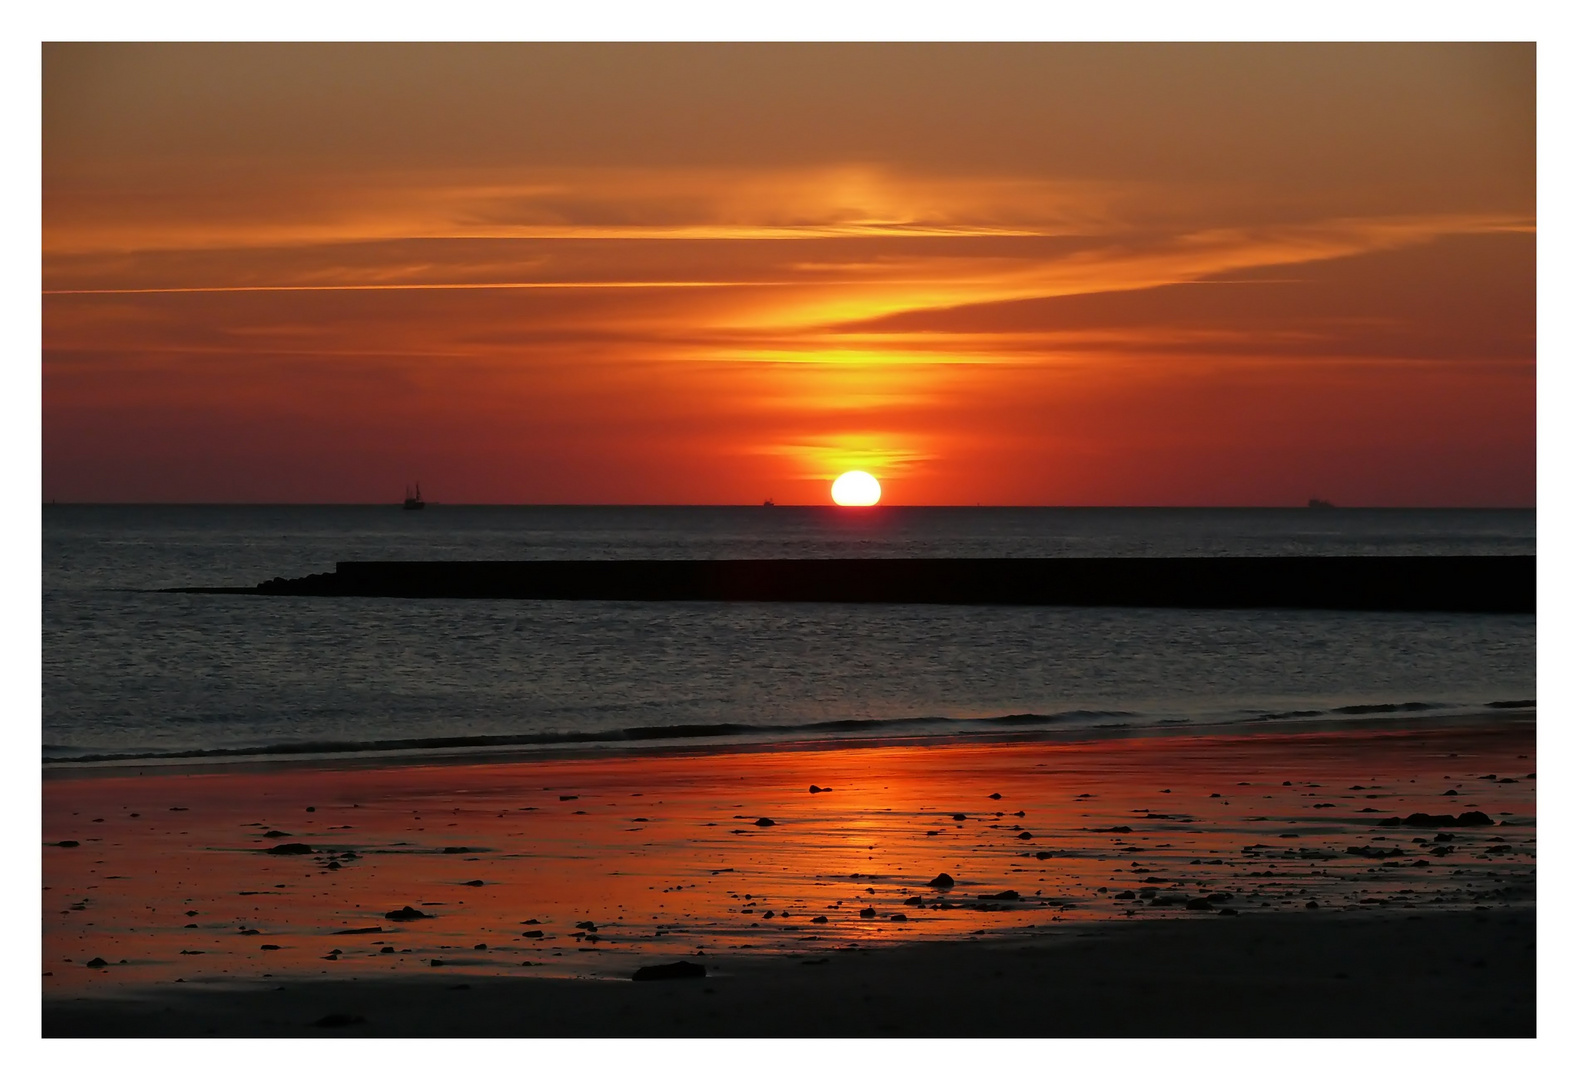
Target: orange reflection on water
x=671 y=855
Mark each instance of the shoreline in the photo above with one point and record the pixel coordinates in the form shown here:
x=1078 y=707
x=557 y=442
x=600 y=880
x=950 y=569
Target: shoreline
x=1349 y=720
x=586 y=869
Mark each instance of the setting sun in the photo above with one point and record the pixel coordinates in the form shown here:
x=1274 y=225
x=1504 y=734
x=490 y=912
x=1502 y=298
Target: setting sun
x=856 y=489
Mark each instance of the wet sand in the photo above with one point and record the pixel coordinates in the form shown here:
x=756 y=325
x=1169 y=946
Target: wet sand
x=1090 y=896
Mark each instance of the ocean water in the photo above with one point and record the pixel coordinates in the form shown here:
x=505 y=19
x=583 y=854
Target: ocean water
x=130 y=673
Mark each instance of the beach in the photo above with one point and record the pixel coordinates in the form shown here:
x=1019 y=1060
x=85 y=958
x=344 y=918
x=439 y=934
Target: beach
x=1246 y=883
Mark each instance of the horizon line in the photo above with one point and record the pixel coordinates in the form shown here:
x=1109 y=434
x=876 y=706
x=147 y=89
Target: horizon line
x=784 y=506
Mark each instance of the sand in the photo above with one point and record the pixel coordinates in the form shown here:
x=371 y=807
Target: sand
x=1227 y=885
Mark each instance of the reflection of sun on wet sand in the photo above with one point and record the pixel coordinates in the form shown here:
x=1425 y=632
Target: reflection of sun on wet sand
x=412 y=879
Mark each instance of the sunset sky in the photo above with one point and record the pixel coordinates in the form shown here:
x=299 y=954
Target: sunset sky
x=999 y=274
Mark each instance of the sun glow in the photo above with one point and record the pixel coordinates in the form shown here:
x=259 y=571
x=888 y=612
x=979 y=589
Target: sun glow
x=856 y=489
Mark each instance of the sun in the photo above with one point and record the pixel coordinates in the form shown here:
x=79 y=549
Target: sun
x=856 y=489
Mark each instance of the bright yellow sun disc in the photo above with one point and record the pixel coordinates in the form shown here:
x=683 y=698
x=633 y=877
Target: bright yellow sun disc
x=856 y=489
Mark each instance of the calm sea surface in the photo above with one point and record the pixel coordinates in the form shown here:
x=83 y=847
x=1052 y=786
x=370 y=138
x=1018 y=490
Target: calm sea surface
x=128 y=671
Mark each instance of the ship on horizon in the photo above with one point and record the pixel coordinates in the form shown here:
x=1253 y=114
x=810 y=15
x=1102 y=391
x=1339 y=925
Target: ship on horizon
x=413 y=498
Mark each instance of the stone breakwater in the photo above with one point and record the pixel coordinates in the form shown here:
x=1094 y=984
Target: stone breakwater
x=1468 y=583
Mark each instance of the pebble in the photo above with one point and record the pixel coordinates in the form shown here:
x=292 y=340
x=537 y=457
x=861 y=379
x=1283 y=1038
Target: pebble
x=406 y=914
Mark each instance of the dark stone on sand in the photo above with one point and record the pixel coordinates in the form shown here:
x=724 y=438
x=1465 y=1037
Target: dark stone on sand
x=484 y=946
x=941 y=881
x=360 y=930
x=1026 y=836
x=764 y=822
x=1043 y=855
x=868 y=913
x=457 y=851
x=67 y=843
x=1313 y=904
x=312 y=809
x=1375 y=852
x=269 y=948
x=958 y=817
x=474 y=883
x=679 y=969
x=1449 y=791
x=1006 y=894
x=290 y=849
x=900 y=917
x=1473 y=817
x=406 y=914
x=568 y=798
x=589 y=926
x=338 y=1020
x=385 y=949
x=820 y=919
x=1199 y=903
x=435 y=963
x=332 y=864
x=250 y=933
x=532 y=934
x=994 y=795
x=274 y=834
x=1115 y=828
x=815 y=790
x=916 y=901
x=97 y=962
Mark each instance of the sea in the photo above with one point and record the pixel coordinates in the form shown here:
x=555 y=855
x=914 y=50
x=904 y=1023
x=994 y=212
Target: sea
x=132 y=674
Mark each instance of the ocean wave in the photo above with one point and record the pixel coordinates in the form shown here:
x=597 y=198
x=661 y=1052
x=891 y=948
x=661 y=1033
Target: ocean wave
x=615 y=736
x=1072 y=720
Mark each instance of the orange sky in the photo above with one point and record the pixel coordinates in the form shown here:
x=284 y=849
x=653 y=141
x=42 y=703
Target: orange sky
x=1014 y=274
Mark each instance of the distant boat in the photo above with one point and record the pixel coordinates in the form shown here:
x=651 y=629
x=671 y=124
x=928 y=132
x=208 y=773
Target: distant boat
x=767 y=502
x=413 y=498
x=1321 y=504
